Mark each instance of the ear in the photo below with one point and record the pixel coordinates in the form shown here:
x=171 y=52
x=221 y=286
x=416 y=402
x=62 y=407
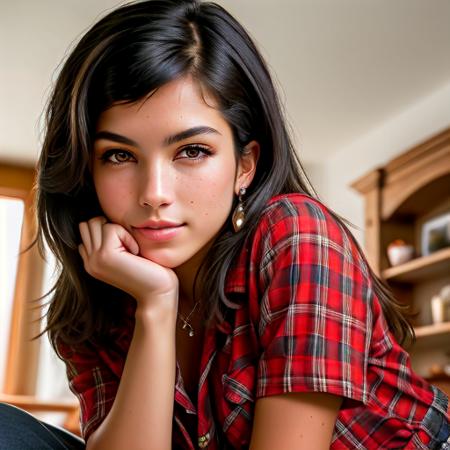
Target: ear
x=246 y=168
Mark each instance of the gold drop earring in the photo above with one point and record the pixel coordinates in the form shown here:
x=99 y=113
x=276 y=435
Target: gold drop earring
x=239 y=214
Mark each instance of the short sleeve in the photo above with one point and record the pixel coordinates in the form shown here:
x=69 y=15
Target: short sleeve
x=93 y=377
x=315 y=315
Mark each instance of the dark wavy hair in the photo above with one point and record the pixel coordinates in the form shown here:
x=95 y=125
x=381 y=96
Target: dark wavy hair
x=130 y=52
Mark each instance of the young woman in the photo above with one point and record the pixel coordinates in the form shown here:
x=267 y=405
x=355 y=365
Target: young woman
x=207 y=298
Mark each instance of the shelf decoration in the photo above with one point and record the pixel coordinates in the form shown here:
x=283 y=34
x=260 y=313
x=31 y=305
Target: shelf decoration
x=399 y=252
x=435 y=234
x=440 y=306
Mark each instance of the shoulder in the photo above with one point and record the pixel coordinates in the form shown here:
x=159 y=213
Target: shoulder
x=309 y=300
x=296 y=212
x=291 y=221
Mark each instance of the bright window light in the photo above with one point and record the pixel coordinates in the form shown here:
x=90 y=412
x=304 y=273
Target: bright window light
x=11 y=218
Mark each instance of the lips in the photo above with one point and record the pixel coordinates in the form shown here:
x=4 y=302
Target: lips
x=159 y=231
x=159 y=224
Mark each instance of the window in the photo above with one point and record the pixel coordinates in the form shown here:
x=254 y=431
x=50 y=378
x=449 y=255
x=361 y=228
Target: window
x=11 y=218
x=19 y=354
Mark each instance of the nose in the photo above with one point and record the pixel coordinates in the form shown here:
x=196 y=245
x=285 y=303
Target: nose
x=155 y=185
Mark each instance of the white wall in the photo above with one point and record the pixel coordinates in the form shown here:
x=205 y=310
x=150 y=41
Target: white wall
x=426 y=117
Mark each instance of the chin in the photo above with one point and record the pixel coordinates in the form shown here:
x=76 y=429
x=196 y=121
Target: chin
x=163 y=258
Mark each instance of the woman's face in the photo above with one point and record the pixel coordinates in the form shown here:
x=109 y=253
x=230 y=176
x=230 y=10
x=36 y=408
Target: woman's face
x=169 y=157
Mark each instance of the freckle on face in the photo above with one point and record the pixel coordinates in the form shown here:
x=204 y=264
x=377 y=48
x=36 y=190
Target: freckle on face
x=210 y=182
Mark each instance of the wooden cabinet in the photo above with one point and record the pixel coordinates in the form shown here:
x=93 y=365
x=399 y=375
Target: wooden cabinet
x=399 y=198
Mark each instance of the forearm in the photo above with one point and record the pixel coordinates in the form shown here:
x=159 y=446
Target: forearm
x=142 y=412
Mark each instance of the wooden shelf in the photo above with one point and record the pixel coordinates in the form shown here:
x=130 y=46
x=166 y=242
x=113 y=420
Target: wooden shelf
x=425 y=267
x=29 y=402
x=432 y=330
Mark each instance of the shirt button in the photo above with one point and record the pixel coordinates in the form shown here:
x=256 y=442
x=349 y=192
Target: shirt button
x=203 y=441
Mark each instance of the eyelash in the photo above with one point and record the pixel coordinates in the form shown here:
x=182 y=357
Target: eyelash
x=201 y=148
x=109 y=153
x=113 y=152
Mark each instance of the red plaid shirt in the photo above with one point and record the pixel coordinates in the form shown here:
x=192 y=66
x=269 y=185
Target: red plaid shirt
x=309 y=321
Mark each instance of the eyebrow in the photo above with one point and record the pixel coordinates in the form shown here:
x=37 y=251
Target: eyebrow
x=169 y=140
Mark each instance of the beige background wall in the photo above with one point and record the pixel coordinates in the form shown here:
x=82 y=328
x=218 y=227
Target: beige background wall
x=415 y=124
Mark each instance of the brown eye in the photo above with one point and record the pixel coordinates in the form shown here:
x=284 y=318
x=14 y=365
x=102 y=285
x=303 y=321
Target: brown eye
x=195 y=152
x=120 y=157
x=117 y=156
x=192 y=152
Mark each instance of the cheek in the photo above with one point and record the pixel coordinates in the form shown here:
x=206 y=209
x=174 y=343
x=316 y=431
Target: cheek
x=113 y=194
x=210 y=194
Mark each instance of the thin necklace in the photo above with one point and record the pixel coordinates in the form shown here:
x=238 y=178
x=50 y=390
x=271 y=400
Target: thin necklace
x=185 y=320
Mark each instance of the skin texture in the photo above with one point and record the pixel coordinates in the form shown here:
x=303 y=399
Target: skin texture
x=138 y=176
x=295 y=421
x=170 y=182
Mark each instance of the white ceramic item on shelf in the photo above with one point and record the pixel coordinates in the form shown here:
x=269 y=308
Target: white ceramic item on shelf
x=399 y=252
x=447 y=370
x=440 y=305
x=437 y=309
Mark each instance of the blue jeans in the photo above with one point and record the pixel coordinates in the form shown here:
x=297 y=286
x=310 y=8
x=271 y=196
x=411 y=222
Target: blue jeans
x=19 y=430
x=444 y=437
x=437 y=423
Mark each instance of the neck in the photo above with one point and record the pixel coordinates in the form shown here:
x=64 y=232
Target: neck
x=186 y=275
x=185 y=294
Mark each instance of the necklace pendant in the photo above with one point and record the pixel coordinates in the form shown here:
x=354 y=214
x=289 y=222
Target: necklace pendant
x=186 y=325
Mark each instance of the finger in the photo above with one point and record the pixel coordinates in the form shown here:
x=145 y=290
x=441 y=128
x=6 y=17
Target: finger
x=96 y=231
x=82 y=252
x=85 y=237
x=118 y=234
x=129 y=242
